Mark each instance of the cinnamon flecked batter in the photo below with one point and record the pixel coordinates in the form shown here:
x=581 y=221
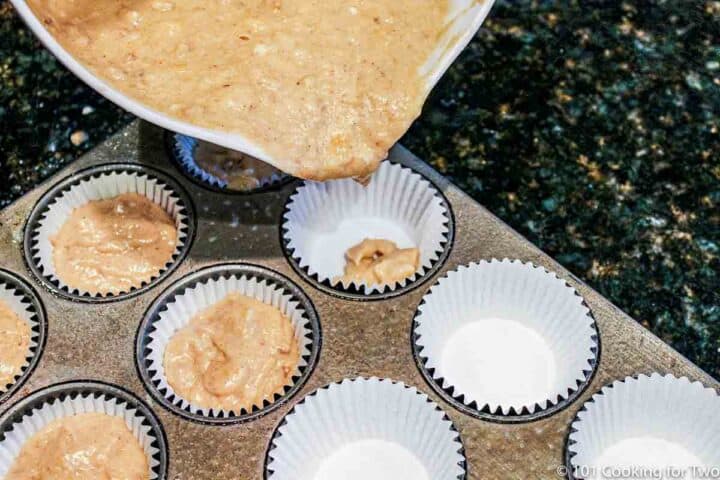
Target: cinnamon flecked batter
x=88 y=446
x=110 y=246
x=324 y=87
x=379 y=262
x=14 y=344
x=239 y=171
x=232 y=355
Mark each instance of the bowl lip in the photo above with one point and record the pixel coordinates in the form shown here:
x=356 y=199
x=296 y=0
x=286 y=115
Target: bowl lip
x=73 y=179
x=235 y=141
x=451 y=54
x=204 y=274
x=31 y=295
x=128 y=103
x=464 y=464
x=343 y=293
x=169 y=141
x=53 y=392
x=512 y=417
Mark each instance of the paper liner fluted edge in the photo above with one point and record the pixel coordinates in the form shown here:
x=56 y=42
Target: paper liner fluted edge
x=568 y=454
x=184 y=218
x=86 y=396
x=211 y=416
x=181 y=149
x=457 y=399
x=362 y=292
x=462 y=463
x=33 y=313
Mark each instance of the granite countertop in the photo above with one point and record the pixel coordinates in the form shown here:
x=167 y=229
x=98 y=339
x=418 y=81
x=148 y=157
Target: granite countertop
x=591 y=127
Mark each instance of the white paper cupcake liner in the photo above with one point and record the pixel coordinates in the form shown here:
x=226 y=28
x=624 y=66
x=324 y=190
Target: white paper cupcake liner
x=23 y=300
x=98 y=183
x=175 y=308
x=652 y=423
x=183 y=148
x=505 y=340
x=366 y=428
x=322 y=220
x=33 y=413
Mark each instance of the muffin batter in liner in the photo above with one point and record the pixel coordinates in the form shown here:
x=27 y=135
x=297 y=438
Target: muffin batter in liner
x=33 y=413
x=22 y=300
x=175 y=308
x=322 y=220
x=182 y=150
x=364 y=409
x=99 y=183
x=660 y=408
x=535 y=313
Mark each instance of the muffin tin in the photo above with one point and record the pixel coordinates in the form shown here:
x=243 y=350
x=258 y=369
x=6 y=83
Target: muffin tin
x=95 y=183
x=181 y=150
x=24 y=301
x=398 y=204
x=522 y=326
x=198 y=291
x=36 y=411
x=95 y=341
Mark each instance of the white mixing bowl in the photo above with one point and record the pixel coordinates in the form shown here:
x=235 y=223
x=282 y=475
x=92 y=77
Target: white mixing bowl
x=464 y=20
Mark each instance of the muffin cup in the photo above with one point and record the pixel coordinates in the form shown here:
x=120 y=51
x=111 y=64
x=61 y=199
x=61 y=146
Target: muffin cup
x=33 y=413
x=664 y=421
x=23 y=300
x=98 y=183
x=190 y=295
x=182 y=150
x=505 y=340
x=322 y=220
x=340 y=419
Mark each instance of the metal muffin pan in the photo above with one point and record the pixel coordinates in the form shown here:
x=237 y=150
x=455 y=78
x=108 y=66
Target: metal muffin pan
x=97 y=340
x=359 y=294
x=185 y=207
x=89 y=396
x=39 y=330
x=194 y=173
x=455 y=398
x=311 y=321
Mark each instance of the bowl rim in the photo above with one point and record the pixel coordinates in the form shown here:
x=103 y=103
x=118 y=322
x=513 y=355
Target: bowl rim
x=226 y=139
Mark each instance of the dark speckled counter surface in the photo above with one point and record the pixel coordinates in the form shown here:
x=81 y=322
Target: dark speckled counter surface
x=591 y=127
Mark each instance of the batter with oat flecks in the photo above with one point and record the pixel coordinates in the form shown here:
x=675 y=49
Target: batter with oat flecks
x=87 y=446
x=324 y=87
x=14 y=344
x=112 y=245
x=232 y=355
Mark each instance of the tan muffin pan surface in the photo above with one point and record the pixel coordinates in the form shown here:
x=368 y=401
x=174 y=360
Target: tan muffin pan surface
x=96 y=341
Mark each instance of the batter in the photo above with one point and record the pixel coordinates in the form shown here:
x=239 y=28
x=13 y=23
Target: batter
x=232 y=355
x=14 y=344
x=379 y=262
x=88 y=446
x=239 y=171
x=110 y=246
x=324 y=87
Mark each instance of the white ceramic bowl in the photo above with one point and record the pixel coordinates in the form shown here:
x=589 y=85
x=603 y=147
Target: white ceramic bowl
x=464 y=20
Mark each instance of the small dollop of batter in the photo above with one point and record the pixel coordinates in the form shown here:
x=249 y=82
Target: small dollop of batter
x=14 y=344
x=232 y=355
x=379 y=262
x=110 y=246
x=88 y=446
x=239 y=171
